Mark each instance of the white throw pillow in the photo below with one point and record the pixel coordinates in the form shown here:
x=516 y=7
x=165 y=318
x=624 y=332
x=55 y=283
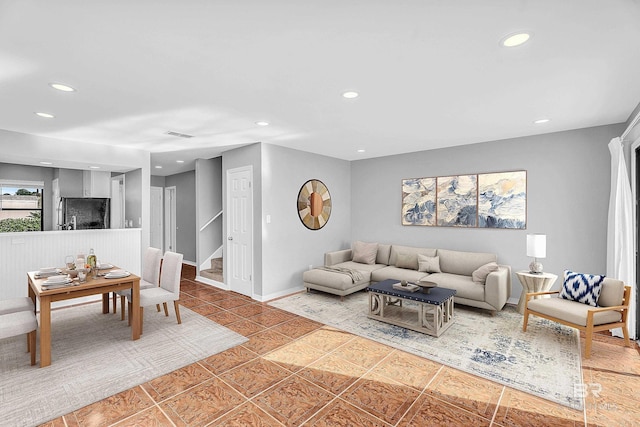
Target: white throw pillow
x=365 y=253
x=429 y=264
x=480 y=275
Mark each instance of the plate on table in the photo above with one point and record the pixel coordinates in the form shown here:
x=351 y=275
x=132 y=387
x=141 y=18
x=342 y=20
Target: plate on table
x=117 y=274
x=64 y=281
x=57 y=279
x=104 y=266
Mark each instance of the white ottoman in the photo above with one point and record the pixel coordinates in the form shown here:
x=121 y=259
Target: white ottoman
x=333 y=282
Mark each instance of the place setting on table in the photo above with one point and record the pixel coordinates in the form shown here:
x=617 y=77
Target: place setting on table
x=77 y=271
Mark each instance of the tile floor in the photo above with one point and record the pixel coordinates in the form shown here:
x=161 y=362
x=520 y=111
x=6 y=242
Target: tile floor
x=295 y=372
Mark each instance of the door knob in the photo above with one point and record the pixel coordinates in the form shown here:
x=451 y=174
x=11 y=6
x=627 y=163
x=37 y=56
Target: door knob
x=229 y=238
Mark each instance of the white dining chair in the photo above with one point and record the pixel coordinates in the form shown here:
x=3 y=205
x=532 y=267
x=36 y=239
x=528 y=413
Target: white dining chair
x=169 y=289
x=14 y=305
x=150 y=277
x=18 y=323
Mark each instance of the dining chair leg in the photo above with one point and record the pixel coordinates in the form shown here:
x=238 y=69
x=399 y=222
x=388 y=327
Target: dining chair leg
x=129 y=310
x=32 y=346
x=166 y=311
x=141 y=318
x=115 y=303
x=158 y=307
x=122 y=298
x=177 y=307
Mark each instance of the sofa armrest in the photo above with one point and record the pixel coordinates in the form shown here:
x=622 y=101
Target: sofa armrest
x=497 y=288
x=336 y=257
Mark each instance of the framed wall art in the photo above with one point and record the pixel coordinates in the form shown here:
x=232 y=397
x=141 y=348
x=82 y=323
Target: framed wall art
x=457 y=201
x=486 y=200
x=314 y=204
x=419 y=201
x=502 y=200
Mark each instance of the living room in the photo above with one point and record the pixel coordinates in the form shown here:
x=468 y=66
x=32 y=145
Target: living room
x=567 y=162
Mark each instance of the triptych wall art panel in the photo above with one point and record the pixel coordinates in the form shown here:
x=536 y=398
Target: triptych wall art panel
x=488 y=200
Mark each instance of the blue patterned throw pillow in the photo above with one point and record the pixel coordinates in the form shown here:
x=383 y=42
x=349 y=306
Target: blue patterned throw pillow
x=584 y=288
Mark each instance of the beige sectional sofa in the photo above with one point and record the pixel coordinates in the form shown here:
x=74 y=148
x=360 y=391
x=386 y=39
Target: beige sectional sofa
x=477 y=278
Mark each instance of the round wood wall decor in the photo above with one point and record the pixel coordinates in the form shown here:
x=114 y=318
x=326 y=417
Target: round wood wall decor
x=314 y=204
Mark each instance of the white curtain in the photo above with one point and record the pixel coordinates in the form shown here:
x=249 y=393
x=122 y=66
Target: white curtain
x=620 y=248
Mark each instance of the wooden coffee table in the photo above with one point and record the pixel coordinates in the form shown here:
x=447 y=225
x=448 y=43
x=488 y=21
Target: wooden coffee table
x=431 y=313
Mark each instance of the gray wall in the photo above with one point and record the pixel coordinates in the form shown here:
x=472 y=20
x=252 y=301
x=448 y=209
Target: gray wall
x=288 y=247
x=208 y=205
x=568 y=179
x=185 y=184
x=133 y=197
x=157 y=181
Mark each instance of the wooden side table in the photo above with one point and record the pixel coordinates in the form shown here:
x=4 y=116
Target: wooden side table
x=533 y=283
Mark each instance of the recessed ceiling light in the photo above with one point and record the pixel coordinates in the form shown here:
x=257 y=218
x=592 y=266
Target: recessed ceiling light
x=515 y=39
x=179 y=161
x=350 y=94
x=45 y=115
x=94 y=167
x=540 y=121
x=158 y=167
x=62 y=87
x=46 y=163
x=360 y=150
x=262 y=123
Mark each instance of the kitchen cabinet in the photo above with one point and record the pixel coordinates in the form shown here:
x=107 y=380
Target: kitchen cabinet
x=70 y=183
x=96 y=184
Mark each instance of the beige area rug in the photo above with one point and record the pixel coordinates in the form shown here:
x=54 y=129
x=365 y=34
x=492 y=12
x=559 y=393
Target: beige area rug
x=93 y=357
x=545 y=361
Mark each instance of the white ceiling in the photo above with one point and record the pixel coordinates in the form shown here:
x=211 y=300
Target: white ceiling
x=430 y=73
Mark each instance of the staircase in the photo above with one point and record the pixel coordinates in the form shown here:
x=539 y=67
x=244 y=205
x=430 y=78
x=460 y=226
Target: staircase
x=215 y=272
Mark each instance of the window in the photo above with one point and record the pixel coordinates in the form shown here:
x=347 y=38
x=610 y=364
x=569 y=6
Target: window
x=21 y=206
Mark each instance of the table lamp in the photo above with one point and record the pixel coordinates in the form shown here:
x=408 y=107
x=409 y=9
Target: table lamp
x=536 y=248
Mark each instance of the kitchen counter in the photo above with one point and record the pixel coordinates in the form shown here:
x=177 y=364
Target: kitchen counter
x=28 y=251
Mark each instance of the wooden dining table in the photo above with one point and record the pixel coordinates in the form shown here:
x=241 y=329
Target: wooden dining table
x=99 y=285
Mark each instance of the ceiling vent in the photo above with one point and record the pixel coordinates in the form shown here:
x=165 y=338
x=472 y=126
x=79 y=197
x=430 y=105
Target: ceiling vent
x=179 y=135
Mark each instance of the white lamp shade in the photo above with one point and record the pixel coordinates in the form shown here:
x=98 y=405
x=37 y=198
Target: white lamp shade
x=537 y=245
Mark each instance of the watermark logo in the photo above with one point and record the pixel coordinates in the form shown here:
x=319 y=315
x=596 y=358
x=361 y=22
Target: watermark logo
x=585 y=389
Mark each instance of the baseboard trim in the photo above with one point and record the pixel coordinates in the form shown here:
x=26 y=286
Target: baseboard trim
x=265 y=298
x=212 y=282
x=513 y=301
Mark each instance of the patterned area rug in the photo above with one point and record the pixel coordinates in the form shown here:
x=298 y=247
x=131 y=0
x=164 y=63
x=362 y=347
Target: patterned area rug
x=544 y=361
x=93 y=357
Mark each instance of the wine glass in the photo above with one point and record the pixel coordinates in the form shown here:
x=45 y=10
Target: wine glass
x=70 y=261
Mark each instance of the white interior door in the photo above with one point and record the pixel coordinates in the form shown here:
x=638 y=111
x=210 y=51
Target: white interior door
x=239 y=252
x=156 y=218
x=170 y=219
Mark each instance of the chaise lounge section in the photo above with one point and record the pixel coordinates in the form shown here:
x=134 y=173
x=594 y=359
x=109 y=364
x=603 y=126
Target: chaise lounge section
x=476 y=276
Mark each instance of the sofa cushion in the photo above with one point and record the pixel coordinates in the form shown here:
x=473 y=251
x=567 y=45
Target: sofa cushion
x=396 y=273
x=464 y=263
x=383 y=254
x=480 y=275
x=612 y=292
x=407 y=260
x=365 y=269
x=395 y=249
x=332 y=279
x=584 y=288
x=428 y=264
x=364 y=252
x=572 y=311
x=464 y=286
